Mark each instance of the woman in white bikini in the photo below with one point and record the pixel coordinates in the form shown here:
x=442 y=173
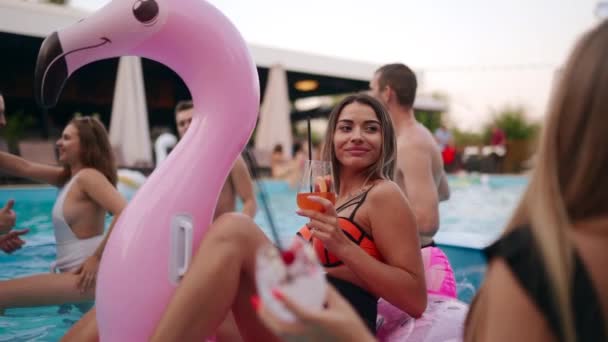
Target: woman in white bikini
x=86 y=180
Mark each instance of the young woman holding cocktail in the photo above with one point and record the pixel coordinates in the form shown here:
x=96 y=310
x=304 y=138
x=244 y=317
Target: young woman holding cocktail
x=360 y=145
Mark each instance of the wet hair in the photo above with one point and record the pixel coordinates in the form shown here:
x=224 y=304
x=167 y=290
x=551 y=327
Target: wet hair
x=95 y=149
x=568 y=182
x=384 y=167
x=183 y=105
x=401 y=79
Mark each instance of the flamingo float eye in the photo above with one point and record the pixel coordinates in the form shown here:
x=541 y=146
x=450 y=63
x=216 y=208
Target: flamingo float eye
x=145 y=11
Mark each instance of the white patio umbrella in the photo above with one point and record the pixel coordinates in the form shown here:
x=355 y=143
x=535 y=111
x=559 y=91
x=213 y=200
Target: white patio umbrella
x=129 y=130
x=274 y=126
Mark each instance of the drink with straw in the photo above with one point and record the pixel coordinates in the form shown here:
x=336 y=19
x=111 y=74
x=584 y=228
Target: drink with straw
x=294 y=270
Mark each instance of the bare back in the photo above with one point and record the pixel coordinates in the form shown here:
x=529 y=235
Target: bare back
x=421 y=177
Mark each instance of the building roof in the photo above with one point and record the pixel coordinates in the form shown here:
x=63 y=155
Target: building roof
x=334 y=75
x=44 y=18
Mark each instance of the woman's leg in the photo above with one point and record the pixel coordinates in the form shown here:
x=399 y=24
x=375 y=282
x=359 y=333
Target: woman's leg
x=85 y=330
x=220 y=277
x=228 y=331
x=42 y=290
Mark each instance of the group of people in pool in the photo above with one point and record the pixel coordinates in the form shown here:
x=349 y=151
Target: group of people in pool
x=545 y=273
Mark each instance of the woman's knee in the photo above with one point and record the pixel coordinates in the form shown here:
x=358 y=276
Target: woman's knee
x=236 y=228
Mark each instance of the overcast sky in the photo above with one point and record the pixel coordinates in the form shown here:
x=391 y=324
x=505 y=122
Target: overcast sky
x=483 y=54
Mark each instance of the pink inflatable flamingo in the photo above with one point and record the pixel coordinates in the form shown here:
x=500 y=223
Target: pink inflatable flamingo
x=152 y=242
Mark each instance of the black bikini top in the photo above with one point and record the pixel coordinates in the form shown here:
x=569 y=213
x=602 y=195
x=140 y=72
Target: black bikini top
x=521 y=253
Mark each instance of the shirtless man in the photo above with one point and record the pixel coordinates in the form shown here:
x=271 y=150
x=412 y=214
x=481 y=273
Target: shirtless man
x=419 y=164
x=238 y=183
x=9 y=239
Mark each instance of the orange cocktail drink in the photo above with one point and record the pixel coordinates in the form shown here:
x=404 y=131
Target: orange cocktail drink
x=307 y=204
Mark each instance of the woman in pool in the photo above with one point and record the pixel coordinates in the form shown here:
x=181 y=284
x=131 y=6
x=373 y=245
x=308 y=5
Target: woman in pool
x=547 y=278
x=362 y=151
x=87 y=191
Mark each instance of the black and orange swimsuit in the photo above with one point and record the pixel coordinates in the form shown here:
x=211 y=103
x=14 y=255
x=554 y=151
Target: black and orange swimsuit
x=350 y=228
x=360 y=299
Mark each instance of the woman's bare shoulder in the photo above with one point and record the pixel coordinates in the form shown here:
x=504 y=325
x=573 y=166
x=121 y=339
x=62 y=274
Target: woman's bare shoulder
x=88 y=172
x=386 y=190
x=90 y=177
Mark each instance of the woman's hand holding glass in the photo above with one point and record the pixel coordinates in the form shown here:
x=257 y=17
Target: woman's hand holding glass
x=316 y=199
x=324 y=226
x=295 y=271
x=338 y=321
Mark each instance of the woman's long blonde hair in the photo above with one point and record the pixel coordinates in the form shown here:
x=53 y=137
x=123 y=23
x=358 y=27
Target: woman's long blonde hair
x=568 y=183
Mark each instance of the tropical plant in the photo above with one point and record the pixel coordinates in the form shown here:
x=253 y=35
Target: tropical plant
x=466 y=138
x=431 y=120
x=16 y=126
x=513 y=121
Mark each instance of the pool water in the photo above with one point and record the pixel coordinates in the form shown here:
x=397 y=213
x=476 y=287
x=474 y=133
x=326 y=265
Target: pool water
x=473 y=217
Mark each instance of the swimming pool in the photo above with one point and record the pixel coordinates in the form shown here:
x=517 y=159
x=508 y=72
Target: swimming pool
x=474 y=216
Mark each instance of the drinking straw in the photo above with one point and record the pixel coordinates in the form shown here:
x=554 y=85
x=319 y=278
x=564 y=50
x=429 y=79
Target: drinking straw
x=309 y=138
x=309 y=149
x=263 y=197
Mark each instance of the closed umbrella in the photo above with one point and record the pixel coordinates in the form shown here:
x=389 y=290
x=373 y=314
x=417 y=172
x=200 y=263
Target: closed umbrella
x=274 y=125
x=129 y=130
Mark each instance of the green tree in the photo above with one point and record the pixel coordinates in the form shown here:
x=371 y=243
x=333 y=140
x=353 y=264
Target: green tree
x=431 y=120
x=16 y=126
x=465 y=138
x=513 y=121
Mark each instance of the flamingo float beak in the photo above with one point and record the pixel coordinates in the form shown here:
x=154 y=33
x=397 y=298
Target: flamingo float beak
x=51 y=72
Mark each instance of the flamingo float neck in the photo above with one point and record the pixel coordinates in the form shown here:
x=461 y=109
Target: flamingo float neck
x=154 y=238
